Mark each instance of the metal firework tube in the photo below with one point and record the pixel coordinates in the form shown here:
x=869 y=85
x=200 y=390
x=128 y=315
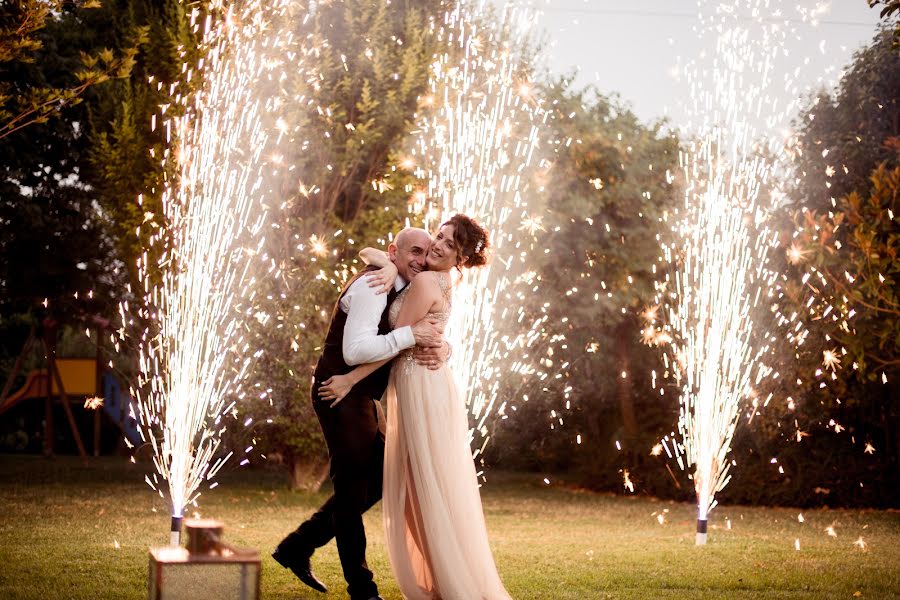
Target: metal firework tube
x=175 y=535
x=701 y=532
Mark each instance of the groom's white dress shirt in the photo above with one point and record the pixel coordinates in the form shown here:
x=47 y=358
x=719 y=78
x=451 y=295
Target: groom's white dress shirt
x=364 y=308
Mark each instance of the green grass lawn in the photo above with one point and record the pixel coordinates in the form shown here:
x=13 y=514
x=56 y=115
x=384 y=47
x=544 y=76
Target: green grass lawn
x=70 y=531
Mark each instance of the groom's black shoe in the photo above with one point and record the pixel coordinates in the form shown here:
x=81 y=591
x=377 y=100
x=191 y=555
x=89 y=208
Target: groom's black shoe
x=300 y=568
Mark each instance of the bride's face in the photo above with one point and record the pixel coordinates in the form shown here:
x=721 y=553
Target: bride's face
x=443 y=253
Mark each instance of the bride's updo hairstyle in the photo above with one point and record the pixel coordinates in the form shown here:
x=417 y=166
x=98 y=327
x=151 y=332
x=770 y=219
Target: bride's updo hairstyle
x=471 y=241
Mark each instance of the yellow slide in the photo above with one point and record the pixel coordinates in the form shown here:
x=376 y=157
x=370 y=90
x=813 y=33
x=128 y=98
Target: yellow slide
x=79 y=377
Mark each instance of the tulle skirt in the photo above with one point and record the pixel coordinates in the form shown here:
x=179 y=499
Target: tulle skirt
x=434 y=522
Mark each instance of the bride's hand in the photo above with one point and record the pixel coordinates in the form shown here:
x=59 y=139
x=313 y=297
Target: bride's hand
x=335 y=388
x=383 y=279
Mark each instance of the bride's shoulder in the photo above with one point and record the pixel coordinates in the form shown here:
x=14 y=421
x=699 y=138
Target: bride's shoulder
x=427 y=280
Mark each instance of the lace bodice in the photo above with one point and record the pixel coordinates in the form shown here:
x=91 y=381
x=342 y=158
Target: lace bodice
x=442 y=315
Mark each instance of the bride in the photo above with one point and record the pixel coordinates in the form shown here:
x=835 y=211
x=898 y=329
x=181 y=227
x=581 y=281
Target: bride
x=434 y=523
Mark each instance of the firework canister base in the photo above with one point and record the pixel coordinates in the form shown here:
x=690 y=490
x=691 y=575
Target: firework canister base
x=701 y=532
x=175 y=535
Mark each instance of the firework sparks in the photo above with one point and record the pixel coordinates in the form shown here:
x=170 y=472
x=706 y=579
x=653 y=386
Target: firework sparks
x=532 y=225
x=318 y=246
x=626 y=477
x=479 y=137
x=796 y=254
x=830 y=359
x=213 y=214
x=721 y=246
x=93 y=403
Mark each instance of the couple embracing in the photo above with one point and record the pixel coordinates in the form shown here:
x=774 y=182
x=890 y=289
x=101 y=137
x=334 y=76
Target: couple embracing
x=388 y=322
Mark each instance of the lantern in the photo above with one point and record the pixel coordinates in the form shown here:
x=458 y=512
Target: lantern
x=207 y=569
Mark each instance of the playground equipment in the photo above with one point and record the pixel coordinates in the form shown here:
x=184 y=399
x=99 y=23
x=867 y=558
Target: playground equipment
x=79 y=382
x=67 y=382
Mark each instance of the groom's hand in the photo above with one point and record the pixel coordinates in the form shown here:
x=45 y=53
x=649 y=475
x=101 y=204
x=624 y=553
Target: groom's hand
x=433 y=358
x=428 y=333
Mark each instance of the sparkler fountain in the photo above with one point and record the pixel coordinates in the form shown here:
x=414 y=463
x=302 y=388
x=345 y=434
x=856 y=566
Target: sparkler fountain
x=721 y=242
x=213 y=217
x=475 y=152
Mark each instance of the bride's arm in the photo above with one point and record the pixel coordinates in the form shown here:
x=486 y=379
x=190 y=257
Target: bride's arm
x=375 y=257
x=423 y=294
x=385 y=276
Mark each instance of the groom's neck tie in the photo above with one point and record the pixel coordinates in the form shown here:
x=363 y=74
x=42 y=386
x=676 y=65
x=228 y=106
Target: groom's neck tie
x=392 y=295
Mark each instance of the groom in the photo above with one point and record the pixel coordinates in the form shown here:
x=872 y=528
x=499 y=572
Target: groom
x=359 y=333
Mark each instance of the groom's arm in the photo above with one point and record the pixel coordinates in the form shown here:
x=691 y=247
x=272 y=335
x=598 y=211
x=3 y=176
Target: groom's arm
x=361 y=343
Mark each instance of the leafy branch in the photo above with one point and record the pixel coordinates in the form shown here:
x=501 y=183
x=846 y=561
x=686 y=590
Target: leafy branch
x=19 y=41
x=889 y=7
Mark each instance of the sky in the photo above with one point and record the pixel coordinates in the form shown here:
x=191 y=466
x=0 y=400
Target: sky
x=632 y=47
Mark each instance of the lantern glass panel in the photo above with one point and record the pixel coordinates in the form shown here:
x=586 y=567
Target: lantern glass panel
x=177 y=575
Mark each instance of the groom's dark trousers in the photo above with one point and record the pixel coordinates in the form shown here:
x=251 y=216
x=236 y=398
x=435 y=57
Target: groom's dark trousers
x=356 y=449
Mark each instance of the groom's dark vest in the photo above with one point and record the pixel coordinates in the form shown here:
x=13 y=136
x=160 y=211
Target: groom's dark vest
x=332 y=360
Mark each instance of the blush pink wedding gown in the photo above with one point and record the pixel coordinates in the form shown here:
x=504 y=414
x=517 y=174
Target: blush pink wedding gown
x=434 y=522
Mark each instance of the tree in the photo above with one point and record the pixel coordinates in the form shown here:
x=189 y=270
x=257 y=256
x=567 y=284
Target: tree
x=842 y=136
x=355 y=103
x=611 y=190
x=25 y=101
x=62 y=230
x=350 y=112
x=840 y=265
x=890 y=7
x=854 y=249
x=844 y=197
x=124 y=156
x=70 y=184
x=47 y=216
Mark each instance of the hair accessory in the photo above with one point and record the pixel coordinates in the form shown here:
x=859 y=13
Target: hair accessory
x=478 y=246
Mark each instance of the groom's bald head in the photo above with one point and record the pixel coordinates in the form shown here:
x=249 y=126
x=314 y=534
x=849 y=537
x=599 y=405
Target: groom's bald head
x=408 y=251
x=412 y=235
